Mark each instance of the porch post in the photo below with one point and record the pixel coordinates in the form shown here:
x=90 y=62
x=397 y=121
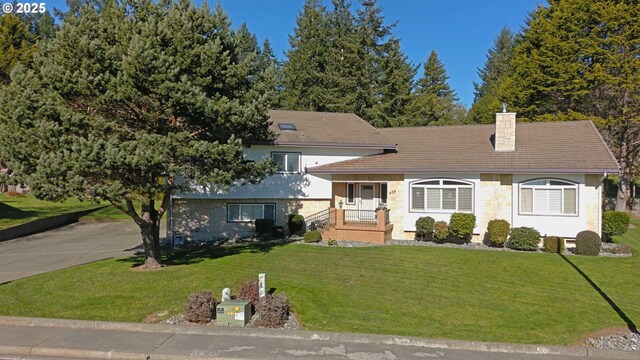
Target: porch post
x=339 y=218
x=380 y=216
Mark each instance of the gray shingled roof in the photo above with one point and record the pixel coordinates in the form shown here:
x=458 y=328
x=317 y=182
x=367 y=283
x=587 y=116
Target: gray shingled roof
x=327 y=129
x=550 y=147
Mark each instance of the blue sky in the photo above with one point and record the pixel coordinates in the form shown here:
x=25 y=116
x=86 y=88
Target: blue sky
x=460 y=31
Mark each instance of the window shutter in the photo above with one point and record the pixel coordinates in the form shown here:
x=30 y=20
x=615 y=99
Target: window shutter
x=448 y=199
x=417 y=198
x=526 y=200
x=465 y=201
x=569 y=201
x=433 y=199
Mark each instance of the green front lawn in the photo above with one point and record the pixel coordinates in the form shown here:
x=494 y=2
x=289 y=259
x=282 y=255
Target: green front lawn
x=417 y=291
x=24 y=208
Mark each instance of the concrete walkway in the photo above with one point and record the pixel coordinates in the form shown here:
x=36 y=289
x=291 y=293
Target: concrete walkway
x=31 y=338
x=67 y=246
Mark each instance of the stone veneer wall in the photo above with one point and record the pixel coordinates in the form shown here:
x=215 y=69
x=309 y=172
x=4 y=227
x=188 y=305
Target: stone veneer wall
x=495 y=200
x=206 y=219
x=395 y=195
x=593 y=208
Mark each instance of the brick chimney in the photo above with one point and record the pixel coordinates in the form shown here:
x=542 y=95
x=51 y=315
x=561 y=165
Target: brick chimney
x=505 y=139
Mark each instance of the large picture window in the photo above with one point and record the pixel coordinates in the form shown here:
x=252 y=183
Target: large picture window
x=441 y=195
x=288 y=162
x=548 y=197
x=250 y=212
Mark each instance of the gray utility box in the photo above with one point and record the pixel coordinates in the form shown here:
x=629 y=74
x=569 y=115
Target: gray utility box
x=236 y=313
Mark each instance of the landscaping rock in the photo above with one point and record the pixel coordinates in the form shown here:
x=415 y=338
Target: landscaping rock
x=621 y=341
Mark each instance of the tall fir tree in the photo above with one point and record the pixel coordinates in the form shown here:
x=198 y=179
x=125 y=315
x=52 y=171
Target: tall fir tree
x=126 y=99
x=580 y=60
x=486 y=101
x=434 y=102
x=396 y=87
x=304 y=84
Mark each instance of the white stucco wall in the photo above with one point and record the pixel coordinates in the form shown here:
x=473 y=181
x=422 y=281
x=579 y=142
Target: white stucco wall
x=288 y=186
x=588 y=217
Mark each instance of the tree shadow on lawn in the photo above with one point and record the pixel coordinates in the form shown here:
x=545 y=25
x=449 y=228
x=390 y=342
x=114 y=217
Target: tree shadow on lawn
x=198 y=253
x=10 y=212
x=630 y=324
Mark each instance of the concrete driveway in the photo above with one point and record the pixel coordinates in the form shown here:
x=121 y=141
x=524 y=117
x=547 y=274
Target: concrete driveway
x=67 y=246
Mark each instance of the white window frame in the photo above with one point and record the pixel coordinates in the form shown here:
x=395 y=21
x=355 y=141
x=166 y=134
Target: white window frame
x=441 y=187
x=229 y=220
x=286 y=161
x=353 y=200
x=548 y=186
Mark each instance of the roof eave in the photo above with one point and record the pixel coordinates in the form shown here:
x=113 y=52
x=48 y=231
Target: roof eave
x=462 y=171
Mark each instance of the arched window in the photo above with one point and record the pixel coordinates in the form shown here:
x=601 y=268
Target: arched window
x=441 y=195
x=549 y=197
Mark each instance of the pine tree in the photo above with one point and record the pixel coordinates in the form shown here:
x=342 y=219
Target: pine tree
x=396 y=87
x=579 y=59
x=492 y=75
x=434 y=102
x=373 y=36
x=126 y=99
x=305 y=85
x=17 y=43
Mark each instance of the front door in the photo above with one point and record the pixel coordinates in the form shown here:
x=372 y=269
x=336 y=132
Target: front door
x=366 y=197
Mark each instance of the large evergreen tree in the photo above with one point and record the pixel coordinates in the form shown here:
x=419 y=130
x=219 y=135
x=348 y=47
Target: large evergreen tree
x=396 y=86
x=305 y=85
x=129 y=102
x=486 y=101
x=434 y=102
x=580 y=59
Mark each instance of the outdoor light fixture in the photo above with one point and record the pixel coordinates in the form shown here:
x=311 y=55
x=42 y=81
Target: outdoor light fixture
x=340 y=203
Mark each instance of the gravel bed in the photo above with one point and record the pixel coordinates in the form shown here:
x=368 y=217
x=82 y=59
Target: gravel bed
x=622 y=341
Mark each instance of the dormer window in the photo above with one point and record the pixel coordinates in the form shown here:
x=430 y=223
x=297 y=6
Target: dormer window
x=287 y=126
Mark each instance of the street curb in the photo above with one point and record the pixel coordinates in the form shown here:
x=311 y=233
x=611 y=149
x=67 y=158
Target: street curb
x=286 y=334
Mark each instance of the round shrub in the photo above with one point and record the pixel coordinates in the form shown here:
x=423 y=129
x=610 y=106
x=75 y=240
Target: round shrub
x=462 y=224
x=498 y=231
x=424 y=228
x=615 y=223
x=264 y=226
x=553 y=244
x=524 y=238
x=440 y=231
x=296 y=224
x=199 y=307
x=313 y=236
x=272 y=311
x=588 y=243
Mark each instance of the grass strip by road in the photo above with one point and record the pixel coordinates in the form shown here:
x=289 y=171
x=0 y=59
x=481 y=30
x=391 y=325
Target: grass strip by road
x=411 y=291
x=21 y=209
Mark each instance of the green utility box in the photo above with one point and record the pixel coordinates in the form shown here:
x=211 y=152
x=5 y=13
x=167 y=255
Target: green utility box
x=236 y=313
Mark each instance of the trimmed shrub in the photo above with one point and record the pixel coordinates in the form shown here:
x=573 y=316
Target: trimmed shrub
x=264 y=226
x=588 y=243
x=278 y=232
x=440 y=231
x=272 y=311
x=424 y=228
x=296 y=224
x=553 y=244
x=615 y=223
x=248 y=290
x=313 y=236
x=200 y=307
x=462 y=224
x=498 y=231
x=524 y=238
